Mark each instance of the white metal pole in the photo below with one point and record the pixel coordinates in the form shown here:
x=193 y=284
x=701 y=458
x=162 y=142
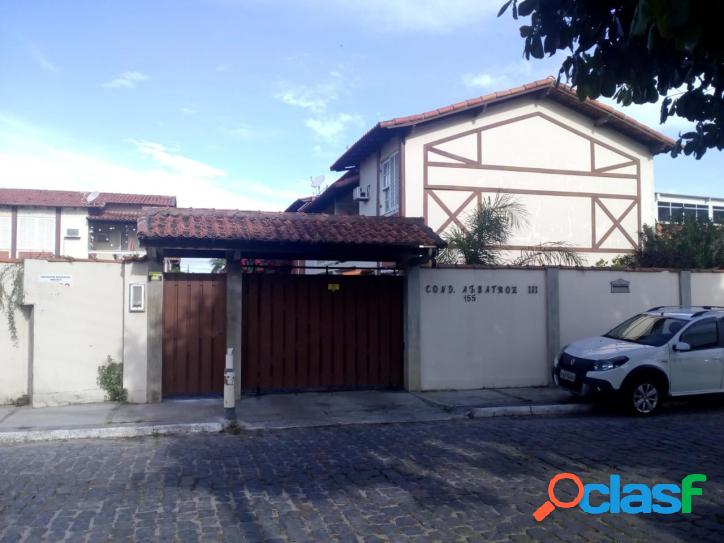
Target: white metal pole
x=229 y=378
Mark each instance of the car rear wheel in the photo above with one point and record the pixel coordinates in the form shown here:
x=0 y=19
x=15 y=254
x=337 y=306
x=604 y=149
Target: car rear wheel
x=644 y=397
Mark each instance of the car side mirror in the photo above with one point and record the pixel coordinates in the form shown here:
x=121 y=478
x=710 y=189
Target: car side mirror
x=682 y=347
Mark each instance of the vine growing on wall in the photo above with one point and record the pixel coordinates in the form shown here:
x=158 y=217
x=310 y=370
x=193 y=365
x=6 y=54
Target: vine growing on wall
x=11 y=296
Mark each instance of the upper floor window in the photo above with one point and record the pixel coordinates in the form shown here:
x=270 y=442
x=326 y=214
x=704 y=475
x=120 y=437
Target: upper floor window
x=4 y=233
x=677 y=212
x=718 y=214
x=112 y=236
x=390 y=174
x=36 y=232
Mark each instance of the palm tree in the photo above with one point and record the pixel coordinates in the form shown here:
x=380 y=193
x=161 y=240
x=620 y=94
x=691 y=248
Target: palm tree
x=486 y=232
x=218 y=265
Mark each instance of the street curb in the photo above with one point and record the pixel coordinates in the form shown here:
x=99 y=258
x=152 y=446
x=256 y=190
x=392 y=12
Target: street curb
x=29 y=436
x=528 y=410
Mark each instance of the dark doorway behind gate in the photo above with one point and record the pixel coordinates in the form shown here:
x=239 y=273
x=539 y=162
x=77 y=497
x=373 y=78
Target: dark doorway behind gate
x=194 y=333
x=321 y=332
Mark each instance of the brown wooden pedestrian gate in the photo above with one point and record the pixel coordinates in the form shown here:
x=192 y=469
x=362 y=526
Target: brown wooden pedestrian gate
x=321 y=332
x=194 y=333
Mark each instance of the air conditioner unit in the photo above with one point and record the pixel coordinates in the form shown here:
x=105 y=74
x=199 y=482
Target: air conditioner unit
x=360 y=195
x=72 y=233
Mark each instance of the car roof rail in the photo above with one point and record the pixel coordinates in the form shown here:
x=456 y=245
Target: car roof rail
x=707 y=309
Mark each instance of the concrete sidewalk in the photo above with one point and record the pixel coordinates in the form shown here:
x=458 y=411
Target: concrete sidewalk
x=273 y=411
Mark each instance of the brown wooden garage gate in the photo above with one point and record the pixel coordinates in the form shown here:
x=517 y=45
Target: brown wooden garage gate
x=313 y=332
x=194 y=333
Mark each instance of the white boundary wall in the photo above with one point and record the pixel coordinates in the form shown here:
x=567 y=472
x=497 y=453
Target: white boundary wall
x=505 y=339
x=75 y=315
x=482 y=338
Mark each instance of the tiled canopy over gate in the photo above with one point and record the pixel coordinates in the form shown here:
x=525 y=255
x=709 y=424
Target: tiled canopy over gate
x=287 y=235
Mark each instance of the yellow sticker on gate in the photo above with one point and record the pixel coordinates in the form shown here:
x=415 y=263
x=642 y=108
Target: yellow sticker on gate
x=333 y=287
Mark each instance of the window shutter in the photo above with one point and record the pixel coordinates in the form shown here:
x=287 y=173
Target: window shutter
x=4 y=233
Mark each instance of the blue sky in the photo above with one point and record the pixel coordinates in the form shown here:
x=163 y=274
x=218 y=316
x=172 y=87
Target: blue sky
x=236 y=103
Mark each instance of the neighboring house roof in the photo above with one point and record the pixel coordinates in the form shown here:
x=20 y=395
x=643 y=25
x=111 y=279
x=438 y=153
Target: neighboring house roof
x=340 y=187
x=378 y=134
x=67 y=198
x=299 y=202
x=115 y=216
x=225 y=225
x=688 y=196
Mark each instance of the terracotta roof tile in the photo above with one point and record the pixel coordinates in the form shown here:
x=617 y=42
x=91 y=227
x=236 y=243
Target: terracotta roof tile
x=270 y=227
x=654 y=139
x=120 y=216
x=67 y=198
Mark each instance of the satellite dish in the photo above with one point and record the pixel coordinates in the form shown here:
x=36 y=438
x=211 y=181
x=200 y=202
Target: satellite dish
x=316 y=182
x=92 y=196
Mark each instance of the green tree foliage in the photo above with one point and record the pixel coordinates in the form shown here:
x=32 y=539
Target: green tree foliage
x=693 y=244
x=638 y=51
x=486 y=232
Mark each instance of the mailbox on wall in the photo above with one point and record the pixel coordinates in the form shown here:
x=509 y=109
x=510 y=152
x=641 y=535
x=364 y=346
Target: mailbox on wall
x=136 y=297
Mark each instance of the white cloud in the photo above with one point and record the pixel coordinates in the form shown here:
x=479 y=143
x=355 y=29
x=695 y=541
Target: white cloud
x=188 y=110
x=127 y=80
x=485 y=80
x=331 y=127
x=244 y=133
x=180 y=164
x=40 y=59
x=31 y=157
x=222 y=67
x=314 y=98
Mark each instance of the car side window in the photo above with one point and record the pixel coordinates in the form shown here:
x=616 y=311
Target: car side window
x=701 y=335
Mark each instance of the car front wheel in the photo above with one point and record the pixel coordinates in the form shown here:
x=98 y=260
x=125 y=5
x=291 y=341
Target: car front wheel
x=644 y=397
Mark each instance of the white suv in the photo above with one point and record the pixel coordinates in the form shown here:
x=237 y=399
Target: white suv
x=665 y=351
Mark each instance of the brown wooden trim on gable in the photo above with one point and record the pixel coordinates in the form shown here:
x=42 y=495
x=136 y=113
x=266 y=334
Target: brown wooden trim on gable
x=555 y=248
x=615 y=167
x=13 y=231
x=533 y=192
x=57 y=231
x=595 y=197
x=616 y=222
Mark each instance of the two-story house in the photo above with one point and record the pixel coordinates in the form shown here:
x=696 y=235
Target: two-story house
x=582 y=170
x=45 y=223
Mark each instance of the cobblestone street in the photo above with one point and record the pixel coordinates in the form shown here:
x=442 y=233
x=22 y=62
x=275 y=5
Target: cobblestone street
x=476 y=480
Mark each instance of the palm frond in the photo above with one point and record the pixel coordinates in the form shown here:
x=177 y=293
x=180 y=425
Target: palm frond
x=554 y=253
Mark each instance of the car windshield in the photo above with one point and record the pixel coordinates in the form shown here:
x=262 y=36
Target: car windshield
x=652 y=330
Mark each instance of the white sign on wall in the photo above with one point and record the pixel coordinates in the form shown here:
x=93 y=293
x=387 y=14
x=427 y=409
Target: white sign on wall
x=57 y=278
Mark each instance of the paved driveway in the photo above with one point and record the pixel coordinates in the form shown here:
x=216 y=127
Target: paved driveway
x=467 y=480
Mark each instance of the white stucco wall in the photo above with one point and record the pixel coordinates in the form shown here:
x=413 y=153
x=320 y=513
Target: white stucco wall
x=75 y=328
x=707 y=288
x=498 y=340
x=588 y=308
x=534 y=142
x=74 y=218
x=368 y=174
x=13 y=354
x=135 y=359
